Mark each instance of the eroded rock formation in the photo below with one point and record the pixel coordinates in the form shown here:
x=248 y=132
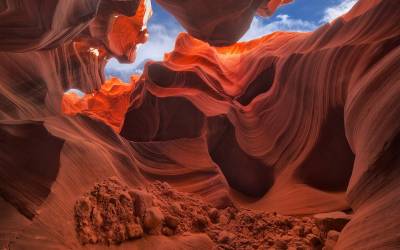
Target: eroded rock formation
x=294 y=123
x=109 y=104
x=219 y=22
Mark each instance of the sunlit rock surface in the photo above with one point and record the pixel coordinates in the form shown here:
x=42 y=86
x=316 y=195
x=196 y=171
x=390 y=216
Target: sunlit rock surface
x=109 y=104
x=294 y=123
x=219 y=22
x=120 y=26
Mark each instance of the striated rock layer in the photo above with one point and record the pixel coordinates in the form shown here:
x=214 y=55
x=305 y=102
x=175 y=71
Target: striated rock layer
x=109 y=104
x=295 y=123
x=298 y=122
x=219 y=22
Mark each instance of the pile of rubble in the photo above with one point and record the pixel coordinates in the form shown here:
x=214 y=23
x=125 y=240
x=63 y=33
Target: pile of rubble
x=112 y=213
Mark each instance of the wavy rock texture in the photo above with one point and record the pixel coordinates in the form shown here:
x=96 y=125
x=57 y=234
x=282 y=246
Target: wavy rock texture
x=219 y=22
x=120 y=26
x=109 y=104
x=297 y=123
x=300 y=122
x=32 y=25
x=38 y=142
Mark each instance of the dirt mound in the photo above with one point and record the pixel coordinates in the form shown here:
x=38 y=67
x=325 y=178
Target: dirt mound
x=235 y=228
x=107 y=214
x=111 y=213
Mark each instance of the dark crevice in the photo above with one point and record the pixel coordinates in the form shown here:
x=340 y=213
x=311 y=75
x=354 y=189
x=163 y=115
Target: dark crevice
x=164 y=77
x=330 y=163
x=244 y=173
x=261 y=84
x=161 y=119
x=29 y=166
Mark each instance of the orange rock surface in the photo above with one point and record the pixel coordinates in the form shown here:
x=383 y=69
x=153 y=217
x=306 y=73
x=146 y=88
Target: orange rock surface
x=120 y=26
x=108 y=105
x=219 y=22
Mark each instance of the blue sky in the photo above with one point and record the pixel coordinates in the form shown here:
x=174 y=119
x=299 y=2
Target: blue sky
x=301 y=15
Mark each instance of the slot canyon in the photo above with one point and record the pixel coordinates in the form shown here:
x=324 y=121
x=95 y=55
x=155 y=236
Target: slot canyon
x=290 y=140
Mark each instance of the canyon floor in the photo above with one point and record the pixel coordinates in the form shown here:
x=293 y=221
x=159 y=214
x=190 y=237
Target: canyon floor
x=111 y=213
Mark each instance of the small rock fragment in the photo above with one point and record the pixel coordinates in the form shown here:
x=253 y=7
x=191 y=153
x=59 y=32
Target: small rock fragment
x=315 y=230
x=313 y=240
x=83 y=207
x=200 y=223
x=171 y=221
x=331 y=239
x=167 y=231
x=142 y=201
x=224 y=219
x=153 y=218
x=134 y=231
x=332 y=221
x=97 y=219
x=333 y=235
x=213 y=214
x=329 y=244
x=225 y=237
x=280 y=245
x=299 y=231
x=176 y=208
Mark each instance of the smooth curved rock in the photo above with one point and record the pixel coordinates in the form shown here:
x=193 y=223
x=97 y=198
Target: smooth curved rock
x=219 y=22
x=120 y=26
x=37 y=24
x=55 y=53
x=30 y=158
x=109 y=104
x=325 y=119
x=291 y=122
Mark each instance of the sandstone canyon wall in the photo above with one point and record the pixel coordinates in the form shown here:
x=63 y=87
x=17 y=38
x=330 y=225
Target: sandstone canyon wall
x=294 y=123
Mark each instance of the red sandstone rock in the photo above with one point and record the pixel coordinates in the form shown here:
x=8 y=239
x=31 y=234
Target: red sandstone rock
x=153 y=218
x=332 y=221
x=33 y=25
x=218 y=22
x=291 y=122
x=108 y=105
x=107 y=215
x=120 y=26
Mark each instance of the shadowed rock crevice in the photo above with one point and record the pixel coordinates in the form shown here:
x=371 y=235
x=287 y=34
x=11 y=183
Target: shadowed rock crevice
x=174 y=118
x=164 y=77
x=329 y=165
x=261 y=84
x=244 y=173
x=29 y=166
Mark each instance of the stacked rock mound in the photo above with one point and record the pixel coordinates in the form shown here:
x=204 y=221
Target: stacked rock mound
x=112 y=213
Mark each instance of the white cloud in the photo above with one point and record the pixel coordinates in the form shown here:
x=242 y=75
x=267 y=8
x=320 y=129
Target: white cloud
x=161 y=40
x=286 y=23
x=75 y=91
x=338 y=10
x=283 y=23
